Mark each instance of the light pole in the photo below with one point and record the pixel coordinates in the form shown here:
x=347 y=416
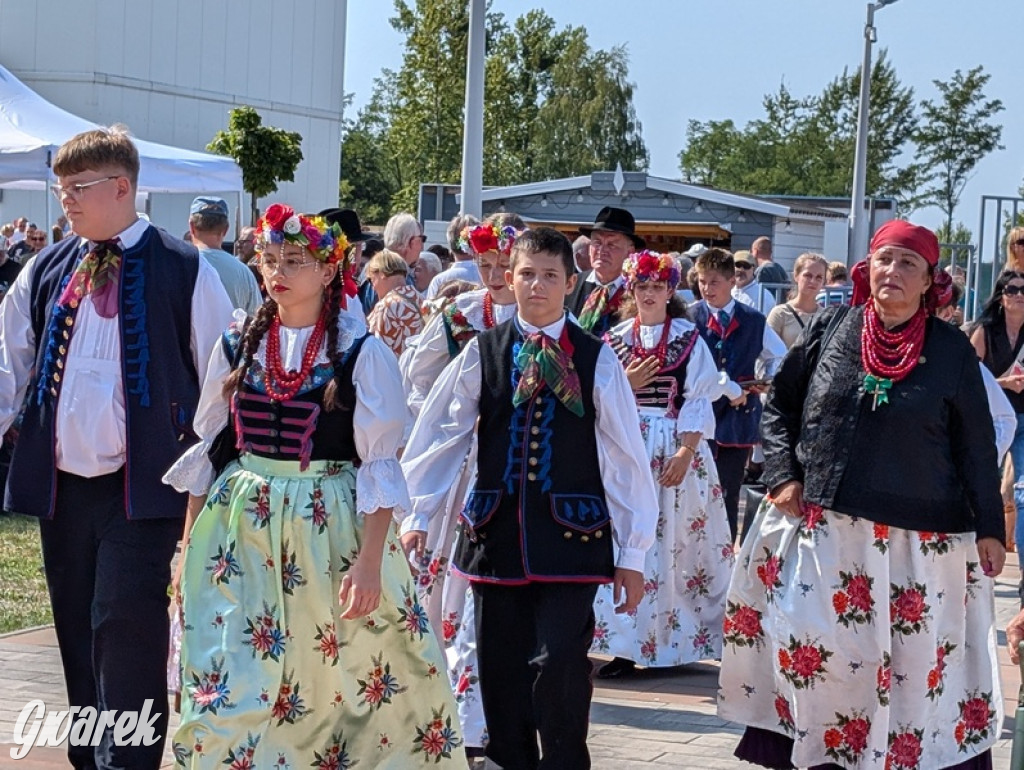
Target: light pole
x=473 y=127
x=858 y=218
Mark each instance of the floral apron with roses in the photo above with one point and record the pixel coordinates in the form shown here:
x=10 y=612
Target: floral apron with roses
x=870 y=646
x=686 y=571
x=272 y=676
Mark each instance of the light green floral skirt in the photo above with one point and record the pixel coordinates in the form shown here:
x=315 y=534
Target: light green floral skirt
x=272 y=676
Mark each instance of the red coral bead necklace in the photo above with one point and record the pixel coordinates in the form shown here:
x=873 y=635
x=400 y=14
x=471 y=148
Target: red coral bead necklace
x=281 y=384
x=888 y=356
x=659 y=351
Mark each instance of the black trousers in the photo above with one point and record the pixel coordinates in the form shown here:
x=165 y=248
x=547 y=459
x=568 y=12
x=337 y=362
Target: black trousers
x=532 y=644
x=731 y=462
x=108 y=578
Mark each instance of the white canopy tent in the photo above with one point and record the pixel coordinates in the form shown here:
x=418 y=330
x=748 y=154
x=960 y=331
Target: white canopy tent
x=32 y=129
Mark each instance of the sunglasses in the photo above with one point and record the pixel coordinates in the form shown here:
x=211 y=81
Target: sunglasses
x=1013 y=289
x=1019 y=242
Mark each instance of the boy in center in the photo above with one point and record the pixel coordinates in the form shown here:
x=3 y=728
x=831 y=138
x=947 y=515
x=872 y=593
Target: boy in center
x=561 y=474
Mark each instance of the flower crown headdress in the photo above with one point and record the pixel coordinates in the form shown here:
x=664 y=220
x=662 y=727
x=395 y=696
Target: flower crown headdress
x=325 y=241
x=482 y=238
x=650 y=266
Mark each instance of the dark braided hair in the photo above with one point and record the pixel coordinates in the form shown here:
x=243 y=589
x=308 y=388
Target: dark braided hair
x=333 y=300
x=250 y=343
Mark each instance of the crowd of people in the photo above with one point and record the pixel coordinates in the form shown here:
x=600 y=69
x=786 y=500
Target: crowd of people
x=415 y=490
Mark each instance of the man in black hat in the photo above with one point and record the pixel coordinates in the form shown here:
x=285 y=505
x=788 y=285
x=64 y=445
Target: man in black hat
x=595 y=300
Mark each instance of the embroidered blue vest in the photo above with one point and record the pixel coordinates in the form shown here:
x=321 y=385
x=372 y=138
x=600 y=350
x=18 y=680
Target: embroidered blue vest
x=161 y=385
x=736 y=354
x=538 y=511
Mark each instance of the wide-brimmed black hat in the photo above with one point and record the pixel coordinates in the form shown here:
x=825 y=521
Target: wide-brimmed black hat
x=348 y=221
x=616 y=221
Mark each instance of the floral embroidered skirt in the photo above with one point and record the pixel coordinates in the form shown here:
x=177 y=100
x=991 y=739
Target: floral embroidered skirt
x=448 y=598
x=686 y=571
x=865 y=644
x=272 y=676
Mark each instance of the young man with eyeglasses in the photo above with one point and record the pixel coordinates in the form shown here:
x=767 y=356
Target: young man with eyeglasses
x=109 y=334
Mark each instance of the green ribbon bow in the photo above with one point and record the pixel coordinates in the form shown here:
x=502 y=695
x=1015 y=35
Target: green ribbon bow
x=879 y=388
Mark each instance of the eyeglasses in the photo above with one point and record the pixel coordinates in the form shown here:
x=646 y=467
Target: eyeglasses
x=40 y=238
x=76 y=190
x=1013 y=289
x=289 y=267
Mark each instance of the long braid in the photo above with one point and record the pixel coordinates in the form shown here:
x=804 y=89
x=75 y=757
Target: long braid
x=250 y=344
x=333 y=298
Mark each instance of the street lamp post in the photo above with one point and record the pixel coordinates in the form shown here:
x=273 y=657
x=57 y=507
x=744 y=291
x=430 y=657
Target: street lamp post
x=473 y=127
x=858 y=218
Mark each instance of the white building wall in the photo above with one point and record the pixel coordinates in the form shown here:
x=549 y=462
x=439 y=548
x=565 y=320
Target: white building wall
x=802 y=235
x=172 y=71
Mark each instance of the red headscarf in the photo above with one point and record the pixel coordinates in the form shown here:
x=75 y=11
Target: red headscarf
x=921 y=241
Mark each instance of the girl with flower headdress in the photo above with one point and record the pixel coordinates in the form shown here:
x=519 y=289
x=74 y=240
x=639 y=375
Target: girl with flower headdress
x=304 y=642
x=687 y=570
x=447 y=596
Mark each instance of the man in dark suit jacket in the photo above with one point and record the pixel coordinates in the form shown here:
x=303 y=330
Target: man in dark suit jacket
x=595 y=300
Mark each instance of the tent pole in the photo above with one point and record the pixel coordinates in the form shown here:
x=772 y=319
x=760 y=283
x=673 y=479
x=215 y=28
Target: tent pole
x=48 y=194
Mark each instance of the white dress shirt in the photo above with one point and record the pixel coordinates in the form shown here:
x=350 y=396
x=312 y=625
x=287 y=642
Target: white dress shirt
x=443 y=436
x=756 y=296
x=377 y=420
x=461 y=270
x=773 y=350
x=90 y=419
x=1004 y=419
x=431 y=354
x=703 y=383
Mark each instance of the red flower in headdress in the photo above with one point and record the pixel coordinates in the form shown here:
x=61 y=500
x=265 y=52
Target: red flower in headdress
x=277 y=214
x=483 y=239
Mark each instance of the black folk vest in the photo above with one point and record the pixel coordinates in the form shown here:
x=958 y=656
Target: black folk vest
x=538 y=511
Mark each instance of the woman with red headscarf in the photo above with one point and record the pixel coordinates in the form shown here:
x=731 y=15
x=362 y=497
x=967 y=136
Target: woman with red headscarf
x=859 y=623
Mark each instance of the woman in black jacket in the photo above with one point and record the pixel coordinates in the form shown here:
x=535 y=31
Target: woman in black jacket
x=846 y=636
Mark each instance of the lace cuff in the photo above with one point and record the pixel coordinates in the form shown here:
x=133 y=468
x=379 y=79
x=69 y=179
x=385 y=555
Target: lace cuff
x=193 y=472
x=380 y=484
x=695 y=416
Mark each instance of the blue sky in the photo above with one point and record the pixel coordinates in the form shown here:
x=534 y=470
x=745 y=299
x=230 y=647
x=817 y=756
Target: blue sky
x=701 y=59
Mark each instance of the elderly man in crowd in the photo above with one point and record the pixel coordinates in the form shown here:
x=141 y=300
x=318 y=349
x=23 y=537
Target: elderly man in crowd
x=581 y=254
x=208 y=224
x=424 y=270
x=464 y=268
x=404 y=236
x=33 y=243
x=748 y=289
x=595 y=299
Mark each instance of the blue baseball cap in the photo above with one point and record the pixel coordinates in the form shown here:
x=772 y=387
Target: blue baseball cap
x=207 y=205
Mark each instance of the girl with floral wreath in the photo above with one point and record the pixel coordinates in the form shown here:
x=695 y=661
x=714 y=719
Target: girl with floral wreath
x=448 y=597
x=859 y=626
x=304 y=642
x=687 y=570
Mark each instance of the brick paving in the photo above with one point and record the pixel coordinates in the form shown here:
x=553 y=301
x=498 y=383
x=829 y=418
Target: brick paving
x=663 y=719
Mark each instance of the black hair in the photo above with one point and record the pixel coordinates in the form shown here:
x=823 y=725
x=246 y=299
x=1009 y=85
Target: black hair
x=993 y=310
x=676 y=307
x=544 y=239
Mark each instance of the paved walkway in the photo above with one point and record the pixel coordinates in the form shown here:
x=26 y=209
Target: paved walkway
x=651 y=720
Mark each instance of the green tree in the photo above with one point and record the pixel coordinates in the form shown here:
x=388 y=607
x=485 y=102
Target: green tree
x=805 y=145
x=554 y=106
x=959 y=235
x=955 y=134
x=265 y=154
x=366 y=184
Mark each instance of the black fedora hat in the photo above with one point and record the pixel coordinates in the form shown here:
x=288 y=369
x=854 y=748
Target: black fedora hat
x=348 y=221
x=616 y=221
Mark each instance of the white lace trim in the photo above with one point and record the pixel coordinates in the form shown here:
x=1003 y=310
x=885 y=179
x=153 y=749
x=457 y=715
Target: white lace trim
x=651 y=335
x=695 y=416
x=193 y=472
x=471 y=305
x=381 y=484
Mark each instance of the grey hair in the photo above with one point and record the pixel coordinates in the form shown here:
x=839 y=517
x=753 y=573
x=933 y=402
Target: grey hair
x=431 y=259
x=399 y=230
x=459 y=223
x=580 y=244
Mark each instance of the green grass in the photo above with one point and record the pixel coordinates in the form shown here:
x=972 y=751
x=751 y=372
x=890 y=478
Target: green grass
x=23 y=598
